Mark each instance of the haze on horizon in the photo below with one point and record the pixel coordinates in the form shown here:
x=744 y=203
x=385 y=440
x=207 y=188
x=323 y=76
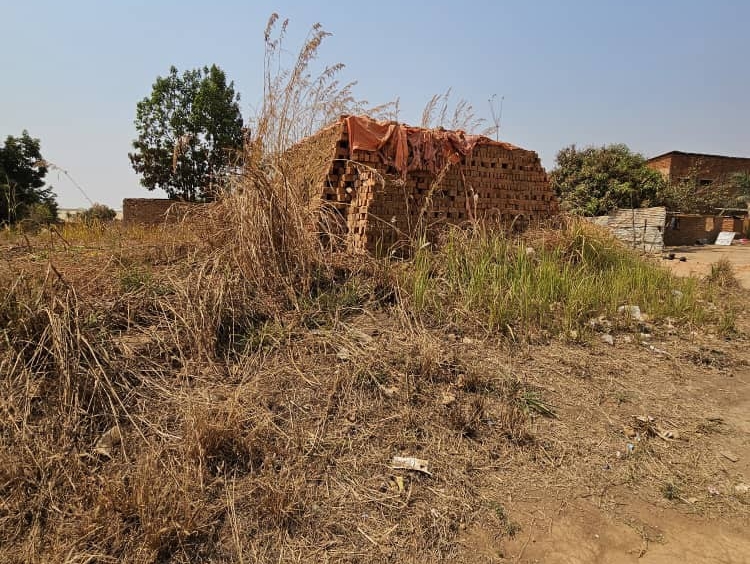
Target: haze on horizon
x=659 y=76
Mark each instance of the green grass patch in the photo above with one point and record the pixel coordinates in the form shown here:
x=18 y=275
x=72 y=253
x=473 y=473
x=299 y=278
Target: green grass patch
x=556 y=280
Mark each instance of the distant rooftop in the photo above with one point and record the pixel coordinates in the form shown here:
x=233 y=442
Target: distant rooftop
x=684 y=154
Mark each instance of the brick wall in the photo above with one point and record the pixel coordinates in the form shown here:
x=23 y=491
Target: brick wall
x=153 y=211
x=662 y=165
x=692 y=228
x=367 y=205
x=676 y=166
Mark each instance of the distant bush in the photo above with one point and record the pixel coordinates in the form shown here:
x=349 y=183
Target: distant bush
x=40 y=214
x=36 y=216
x=98 y=213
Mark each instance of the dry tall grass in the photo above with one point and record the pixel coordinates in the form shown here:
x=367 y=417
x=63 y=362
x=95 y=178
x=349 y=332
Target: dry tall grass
x=183 y=407
x=224 y=391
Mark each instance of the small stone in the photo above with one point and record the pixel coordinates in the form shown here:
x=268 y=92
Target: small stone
x=467 y=341
x=448 y=398
x=361 y=336
x=107 y=442
x=632 y=311
x=607 y=338
x=626 y=339
x=742 y=488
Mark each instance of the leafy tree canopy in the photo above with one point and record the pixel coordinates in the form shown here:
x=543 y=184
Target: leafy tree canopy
x=22 y=172
x=189 y=132
x=687 y=195
x=98 y=213
x=739 y=185
x=596 y=180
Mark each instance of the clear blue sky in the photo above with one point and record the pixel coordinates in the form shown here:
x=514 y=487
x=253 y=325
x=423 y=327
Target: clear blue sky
x=657 y=75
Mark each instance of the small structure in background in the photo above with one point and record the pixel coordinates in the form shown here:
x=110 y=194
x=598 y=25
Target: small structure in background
x=696 y=229
x=640 y=228
x=378 y=184
x=73 y=215
x=69 y=214
x=677 y=166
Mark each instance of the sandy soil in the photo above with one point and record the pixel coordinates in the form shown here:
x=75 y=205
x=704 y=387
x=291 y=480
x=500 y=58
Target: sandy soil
x=700 y=259
x=588 y=509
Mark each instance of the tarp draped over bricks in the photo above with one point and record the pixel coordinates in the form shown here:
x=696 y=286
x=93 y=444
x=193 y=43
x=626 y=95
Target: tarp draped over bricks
x=412 y=148
x=377 y=183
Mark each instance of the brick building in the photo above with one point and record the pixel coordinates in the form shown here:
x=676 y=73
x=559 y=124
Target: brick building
x=377 y=183
x=677 y=166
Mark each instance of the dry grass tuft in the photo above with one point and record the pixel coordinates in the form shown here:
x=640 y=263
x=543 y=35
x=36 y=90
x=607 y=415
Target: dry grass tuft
x=722 y=274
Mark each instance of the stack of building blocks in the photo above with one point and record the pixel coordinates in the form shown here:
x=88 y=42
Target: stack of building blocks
x=369 y=205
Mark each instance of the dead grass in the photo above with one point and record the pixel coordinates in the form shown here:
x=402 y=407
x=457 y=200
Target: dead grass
x=225 y=390
x=258 y=420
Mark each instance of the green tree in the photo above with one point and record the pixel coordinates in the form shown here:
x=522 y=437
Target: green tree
x=739 y=185
x=688 y=195
x=98 y=213
x=596 y=180
x=190 y=131
x=22 y=172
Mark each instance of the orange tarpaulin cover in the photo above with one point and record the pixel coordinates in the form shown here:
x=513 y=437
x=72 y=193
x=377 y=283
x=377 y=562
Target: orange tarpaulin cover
x=412 y=148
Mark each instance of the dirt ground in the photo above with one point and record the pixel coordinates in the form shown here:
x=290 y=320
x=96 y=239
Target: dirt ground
x=700 y=259
x=592 y=505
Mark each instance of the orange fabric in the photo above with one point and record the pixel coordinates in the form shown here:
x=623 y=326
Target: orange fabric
x=412 y=148
x=369 y=135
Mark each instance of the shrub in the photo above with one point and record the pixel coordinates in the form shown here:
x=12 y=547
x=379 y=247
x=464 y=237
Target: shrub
x=98 y=213
x=38 y=215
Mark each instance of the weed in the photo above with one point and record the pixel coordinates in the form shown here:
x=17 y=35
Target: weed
x=264 y=338
x=722 y=274
x=670 y=491
x=510 y=528
x=530 y=401
x=236 y=423
x=727 y=325
x=134 y=279
x=623 y=396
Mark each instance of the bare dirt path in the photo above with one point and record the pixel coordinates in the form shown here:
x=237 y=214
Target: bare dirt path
x=700 y=259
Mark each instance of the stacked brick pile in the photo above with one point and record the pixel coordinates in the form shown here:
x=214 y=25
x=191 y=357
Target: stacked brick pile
x=369 y=204
x=153 y=211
